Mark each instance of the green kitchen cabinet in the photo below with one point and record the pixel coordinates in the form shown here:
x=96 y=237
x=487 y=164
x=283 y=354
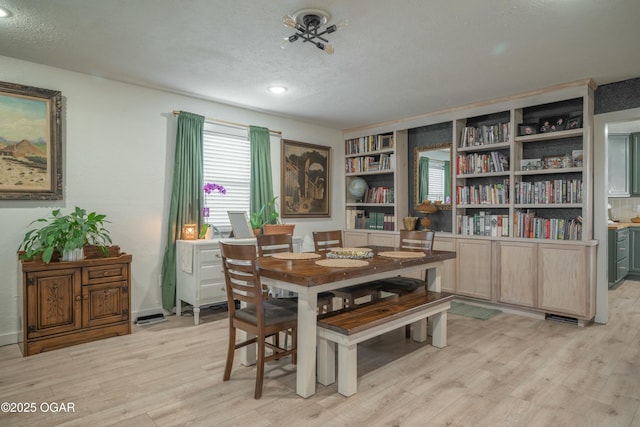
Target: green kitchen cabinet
x=619 y=254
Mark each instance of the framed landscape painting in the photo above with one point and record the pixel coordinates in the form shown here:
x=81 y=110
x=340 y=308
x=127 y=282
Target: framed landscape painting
x=305 y=180
x=30 y=143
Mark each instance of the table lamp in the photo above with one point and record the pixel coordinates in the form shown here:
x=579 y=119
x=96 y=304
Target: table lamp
x=426 y=208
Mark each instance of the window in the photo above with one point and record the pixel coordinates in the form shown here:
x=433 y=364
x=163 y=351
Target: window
x=436 y=180
x=227 y=162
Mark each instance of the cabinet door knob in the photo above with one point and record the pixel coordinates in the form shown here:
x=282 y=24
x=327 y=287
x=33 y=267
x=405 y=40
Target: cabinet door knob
x=78 y=297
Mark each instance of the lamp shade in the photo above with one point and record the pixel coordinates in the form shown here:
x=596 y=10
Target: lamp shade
x=190 y=232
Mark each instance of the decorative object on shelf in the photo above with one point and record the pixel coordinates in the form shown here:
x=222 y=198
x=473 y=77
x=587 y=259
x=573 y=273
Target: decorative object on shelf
x=567 y=161
x=357 y=187
x=65 y=233
x=527 y=129
x=35 y=146
x=552 y=162
x=574 y=122
x=189 y=232
x=305 y=183
x=530 y=164
x=410 y=222
x=577 y=158
x=426 y=208
x=308 y=23
x=552 y=124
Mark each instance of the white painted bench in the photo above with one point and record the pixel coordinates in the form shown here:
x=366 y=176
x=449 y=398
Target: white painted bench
x=349 y=327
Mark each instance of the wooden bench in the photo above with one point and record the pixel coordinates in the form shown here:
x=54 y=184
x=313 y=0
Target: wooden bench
x=349 y=327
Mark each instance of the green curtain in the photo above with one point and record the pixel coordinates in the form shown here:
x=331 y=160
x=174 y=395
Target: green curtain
x=186 y=196
x=261 y=182
x=423 y=173
x=447 y=179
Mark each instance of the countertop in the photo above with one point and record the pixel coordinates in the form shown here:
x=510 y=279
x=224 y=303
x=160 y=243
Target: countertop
x=619 y=225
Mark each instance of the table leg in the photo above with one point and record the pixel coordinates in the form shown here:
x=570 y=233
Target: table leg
x=196 y=315
x=434 y=278
x=248 y=352
x=326 y=361
x=439 y=337
x=306 y=366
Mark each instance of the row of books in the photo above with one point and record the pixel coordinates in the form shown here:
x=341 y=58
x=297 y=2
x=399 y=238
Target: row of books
x=548 y=192
x=369 y=163
x=488 y=194
x=483 y=224
x=486 y=134
x=482 y=163
x=528 y=226
x=358 y=219
x=369 y=143
x=378 y=195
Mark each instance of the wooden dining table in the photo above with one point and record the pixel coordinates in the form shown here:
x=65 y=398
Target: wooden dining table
x=306 y=278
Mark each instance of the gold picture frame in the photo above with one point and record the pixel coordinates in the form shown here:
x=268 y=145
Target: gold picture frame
x=305 y=181
x=30 y=143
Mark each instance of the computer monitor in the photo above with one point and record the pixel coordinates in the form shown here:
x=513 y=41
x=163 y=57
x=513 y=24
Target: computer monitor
x=240 y=224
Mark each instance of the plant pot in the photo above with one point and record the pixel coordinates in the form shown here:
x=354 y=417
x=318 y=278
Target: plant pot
x=278 y=228
x=73 y=255
x=257 y=231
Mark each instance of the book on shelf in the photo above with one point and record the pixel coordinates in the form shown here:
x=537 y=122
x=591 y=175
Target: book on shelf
x=484 y=135
x=527 y=225
x=555 y=191
x=482 y=163
x=369 y=143
x=354 y=218
x=487 y=194
x=483 y=224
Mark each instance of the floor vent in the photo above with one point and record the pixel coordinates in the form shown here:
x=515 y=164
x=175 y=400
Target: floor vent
x=152 y=318
x=558 y=318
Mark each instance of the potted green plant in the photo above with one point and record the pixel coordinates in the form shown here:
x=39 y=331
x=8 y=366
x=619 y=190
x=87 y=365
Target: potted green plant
x=256 y=219
x=272 y=225
x=66 y=235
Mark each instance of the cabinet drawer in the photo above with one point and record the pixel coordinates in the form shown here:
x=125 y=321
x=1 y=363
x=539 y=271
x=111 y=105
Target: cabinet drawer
x=105 y=273
x=622 y=235
x=214 y=292
x=622 y=249
x=622 y=268
x=211 y=273
x=210 y=256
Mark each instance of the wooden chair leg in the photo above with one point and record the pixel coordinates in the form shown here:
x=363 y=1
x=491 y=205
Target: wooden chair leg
x=260 y=367
x=231 y=349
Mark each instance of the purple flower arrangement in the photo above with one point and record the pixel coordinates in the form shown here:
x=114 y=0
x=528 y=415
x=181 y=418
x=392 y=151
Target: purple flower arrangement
x=209 y=188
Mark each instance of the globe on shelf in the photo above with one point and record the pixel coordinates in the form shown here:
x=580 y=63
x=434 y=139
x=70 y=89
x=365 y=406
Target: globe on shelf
x=357 y=187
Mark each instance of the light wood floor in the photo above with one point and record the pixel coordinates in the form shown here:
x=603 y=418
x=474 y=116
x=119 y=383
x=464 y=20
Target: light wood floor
x=506 y=371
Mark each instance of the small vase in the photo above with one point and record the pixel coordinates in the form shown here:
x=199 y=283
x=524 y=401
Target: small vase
x=410 y=222
x=73 y=255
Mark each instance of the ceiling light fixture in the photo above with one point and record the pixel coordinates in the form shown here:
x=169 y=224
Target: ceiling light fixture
x=308 y=23
x=278 y=90
x=4 y=13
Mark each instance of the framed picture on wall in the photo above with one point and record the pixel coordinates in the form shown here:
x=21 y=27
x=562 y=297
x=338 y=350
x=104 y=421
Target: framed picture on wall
x=305 y=181
x=30 y=143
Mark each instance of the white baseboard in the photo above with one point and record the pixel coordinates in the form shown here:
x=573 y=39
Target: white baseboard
x=9 y=338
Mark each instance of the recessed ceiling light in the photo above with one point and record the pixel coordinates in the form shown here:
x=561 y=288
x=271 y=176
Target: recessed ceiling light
x=4 y=13
x=278 y=90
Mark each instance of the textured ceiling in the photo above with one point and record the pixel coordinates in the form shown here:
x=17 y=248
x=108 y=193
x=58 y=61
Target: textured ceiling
x=395 y=59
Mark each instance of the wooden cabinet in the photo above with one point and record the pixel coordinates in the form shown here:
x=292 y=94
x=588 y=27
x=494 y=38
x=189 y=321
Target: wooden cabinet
x=67 y=303
x=448 y=278
x=474 y=268
x=618 y=250
x=199 y=273
x=619 y=162
x=635 y=164
x=565 y=280
x=634 y=250
x=517 y=273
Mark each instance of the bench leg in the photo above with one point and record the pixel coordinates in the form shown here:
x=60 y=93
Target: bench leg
x=347 y=369
x=326 y=361
x=420 y=330
x=439 y=329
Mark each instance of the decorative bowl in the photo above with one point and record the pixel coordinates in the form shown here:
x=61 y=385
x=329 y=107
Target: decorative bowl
x=636 y=219
x=350 y=253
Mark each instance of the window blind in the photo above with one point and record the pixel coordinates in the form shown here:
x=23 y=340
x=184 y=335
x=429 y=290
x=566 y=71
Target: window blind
x=227 y=162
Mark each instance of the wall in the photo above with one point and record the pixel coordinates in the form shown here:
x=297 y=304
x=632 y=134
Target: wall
x=118 y=143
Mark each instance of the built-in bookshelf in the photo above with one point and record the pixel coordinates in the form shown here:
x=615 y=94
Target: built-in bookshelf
x=526 y=166
x=374 y=159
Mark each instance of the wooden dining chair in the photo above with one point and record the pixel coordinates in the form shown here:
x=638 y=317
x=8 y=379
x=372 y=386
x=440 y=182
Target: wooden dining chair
x=409 y=239
x=269 y=244
x=260 y=317
x=323 y=242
